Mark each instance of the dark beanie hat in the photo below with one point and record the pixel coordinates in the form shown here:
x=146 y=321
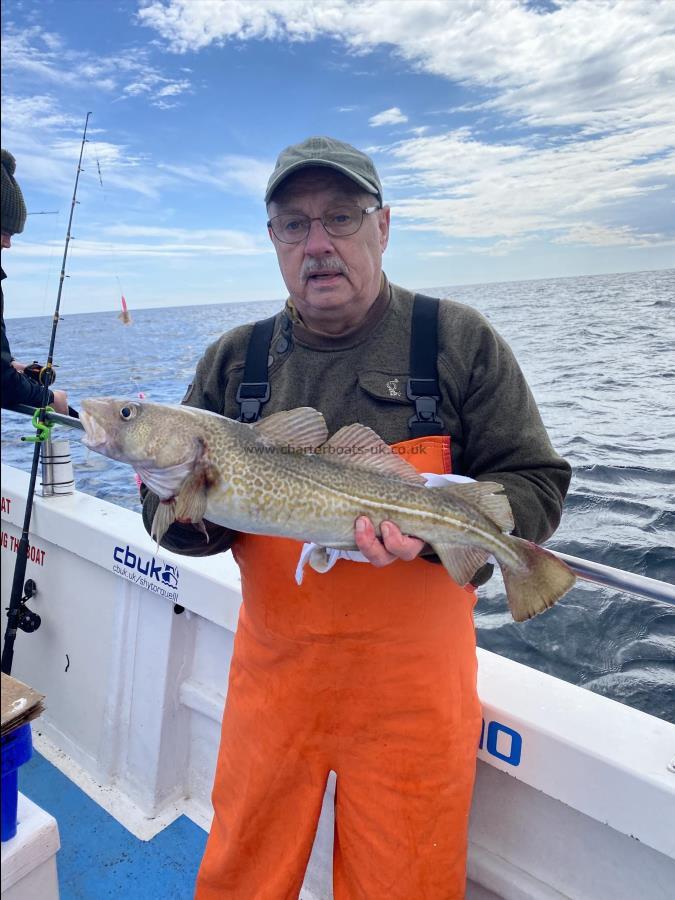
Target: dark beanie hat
x=13 y=212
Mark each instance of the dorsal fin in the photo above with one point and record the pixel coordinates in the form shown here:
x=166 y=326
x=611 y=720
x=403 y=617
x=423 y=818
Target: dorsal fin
x=360 y=446
x=302 y=428
x=488 y=497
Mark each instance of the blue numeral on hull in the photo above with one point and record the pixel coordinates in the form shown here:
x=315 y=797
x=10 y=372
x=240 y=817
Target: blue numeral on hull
x=515 y=742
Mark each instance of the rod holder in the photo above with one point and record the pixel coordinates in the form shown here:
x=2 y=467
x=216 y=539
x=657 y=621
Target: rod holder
x=57 y=468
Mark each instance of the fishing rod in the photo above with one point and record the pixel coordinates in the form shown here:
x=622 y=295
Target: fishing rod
x=45 y=377
x=598 y=573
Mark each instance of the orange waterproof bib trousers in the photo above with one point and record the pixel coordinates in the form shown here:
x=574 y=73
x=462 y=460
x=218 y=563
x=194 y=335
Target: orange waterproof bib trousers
x=367 y=672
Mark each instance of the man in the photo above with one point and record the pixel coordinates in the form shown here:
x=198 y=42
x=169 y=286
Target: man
x=17 y=387
x=367 y=670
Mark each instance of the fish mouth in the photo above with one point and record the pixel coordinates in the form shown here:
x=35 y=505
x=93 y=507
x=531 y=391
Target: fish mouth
x=95 y=435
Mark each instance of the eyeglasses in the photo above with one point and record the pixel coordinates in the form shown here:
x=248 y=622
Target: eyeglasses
x=291 y=228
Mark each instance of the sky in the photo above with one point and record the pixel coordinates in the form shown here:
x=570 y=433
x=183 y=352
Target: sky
x=516 y=139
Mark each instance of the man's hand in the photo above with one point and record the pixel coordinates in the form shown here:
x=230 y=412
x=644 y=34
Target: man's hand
x=19 y=366
x=60 y=402
x=393 y=545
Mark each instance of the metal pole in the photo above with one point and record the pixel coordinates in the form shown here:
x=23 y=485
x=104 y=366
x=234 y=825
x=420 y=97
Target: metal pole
x=51 y=418
x=651 y=588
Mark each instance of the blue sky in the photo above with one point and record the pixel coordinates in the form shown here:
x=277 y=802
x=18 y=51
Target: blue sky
x=514 y=139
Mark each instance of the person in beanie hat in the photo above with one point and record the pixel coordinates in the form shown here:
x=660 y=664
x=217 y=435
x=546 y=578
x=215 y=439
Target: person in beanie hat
x=13 y=214
x=368 y=671
x=17 y=387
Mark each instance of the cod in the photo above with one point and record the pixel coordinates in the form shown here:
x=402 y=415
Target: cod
x=283 y=476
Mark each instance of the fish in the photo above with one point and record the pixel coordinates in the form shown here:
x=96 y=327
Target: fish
x=284 y=476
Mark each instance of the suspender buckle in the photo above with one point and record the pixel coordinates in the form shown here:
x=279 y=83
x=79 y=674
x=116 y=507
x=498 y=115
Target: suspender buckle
x=425 y=394
x=250 y=396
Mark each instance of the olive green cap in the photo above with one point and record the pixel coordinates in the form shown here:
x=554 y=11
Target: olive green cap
x=13 y=209
x=331 y=153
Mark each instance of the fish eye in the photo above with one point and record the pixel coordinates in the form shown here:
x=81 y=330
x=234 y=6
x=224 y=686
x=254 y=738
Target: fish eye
x=128 y=412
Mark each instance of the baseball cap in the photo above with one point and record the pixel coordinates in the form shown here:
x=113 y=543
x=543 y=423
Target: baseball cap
x=331 y=153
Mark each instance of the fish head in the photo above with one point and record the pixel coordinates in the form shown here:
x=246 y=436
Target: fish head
x=162 y=443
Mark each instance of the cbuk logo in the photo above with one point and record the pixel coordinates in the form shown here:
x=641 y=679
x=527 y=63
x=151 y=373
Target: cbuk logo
x=170 y=576
x=163 y=573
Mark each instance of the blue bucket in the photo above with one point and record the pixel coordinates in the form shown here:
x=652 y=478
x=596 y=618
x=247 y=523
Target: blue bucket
x=17 y=748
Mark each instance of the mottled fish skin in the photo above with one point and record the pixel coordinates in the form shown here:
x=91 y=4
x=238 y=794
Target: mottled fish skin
x=321 y=499
x=254 y=479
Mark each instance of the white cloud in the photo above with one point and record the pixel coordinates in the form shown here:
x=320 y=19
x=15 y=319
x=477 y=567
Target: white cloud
x=468 y=189
x=595 y=123
x=170 y=90
x=226 y=173
x=25 y=111
x=129 y=242
x=47 y=143
x=392 y=116
x=584 y=62
x=42 y=56
x=587 y=83
x=496 y=248
x=619 y=236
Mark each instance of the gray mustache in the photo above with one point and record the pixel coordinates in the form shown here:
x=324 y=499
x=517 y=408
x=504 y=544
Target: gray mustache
x=332 y=264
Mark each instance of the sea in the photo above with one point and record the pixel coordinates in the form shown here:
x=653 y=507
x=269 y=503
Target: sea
x=599 y=355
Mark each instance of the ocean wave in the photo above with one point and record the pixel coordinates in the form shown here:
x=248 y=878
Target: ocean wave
x=606 y=474
x=651 y=689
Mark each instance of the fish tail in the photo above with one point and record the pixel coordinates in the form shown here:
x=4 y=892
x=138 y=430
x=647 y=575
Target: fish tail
x=542 y=580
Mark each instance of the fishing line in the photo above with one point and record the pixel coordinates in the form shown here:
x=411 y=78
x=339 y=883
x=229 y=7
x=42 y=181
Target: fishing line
x=51 y=248
x=51 y=263
x=124 y=316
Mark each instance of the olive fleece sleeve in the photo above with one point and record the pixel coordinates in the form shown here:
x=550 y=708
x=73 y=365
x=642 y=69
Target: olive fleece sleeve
x=502 y=436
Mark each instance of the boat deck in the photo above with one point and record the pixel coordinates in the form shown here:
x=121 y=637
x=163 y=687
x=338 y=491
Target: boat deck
x=99 y=858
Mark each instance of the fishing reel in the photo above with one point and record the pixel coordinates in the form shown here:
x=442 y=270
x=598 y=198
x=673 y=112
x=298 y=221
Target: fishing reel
x=40 y=374
x=28 y=620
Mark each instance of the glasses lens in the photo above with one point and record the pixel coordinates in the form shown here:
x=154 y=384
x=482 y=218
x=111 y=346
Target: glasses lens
x=290 y=228
x=343 y=220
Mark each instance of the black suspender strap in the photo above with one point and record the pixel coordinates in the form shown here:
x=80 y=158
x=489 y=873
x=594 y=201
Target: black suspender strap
x=422 y=387
x=254 y=389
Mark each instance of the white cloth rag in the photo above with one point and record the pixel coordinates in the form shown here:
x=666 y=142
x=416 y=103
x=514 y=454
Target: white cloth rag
x=431 y=480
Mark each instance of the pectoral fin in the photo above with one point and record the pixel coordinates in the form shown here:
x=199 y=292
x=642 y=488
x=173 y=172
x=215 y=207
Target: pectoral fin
x=191 y=501
x=166 y=483
x=193 y=496
x=164 y=516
